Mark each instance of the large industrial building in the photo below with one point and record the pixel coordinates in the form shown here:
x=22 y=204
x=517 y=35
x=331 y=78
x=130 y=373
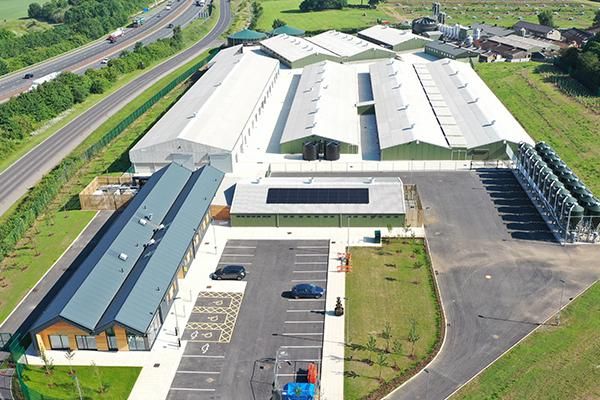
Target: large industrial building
x=324 y=108
x=319 y=202
x=349 y=47
x=120 y=295
x=213 y=119
x=393 y=39
x=296 y=52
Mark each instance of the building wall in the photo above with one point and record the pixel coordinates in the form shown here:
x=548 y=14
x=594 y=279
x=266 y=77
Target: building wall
x=492 y=151
x=442 y=54
x=412 y=44
x=311 y=59
x=66 y=329
x=370 y=54
x=296 y=146
x=414 y=151
x=316 y=220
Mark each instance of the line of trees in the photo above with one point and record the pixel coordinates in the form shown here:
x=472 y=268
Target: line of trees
x=318 y=5
x=584 y=64
x=23 y=114
x=80 y=21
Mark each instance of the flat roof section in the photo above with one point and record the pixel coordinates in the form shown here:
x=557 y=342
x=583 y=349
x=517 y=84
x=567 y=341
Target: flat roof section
x=325 y=104
x=524 y=43
x=294 y=48
x=385 y=196
x=345 y=45
x=388 y=35
x=402 y=110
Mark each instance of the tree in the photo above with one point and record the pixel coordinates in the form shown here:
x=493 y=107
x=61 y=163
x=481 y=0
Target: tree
x=69 y=354
x=278 y=22
x=34 y=10
x=48 y=362
x=381 y=362
x=546 y=18
x=413 y=336
x=386 y=334
x=374 y=3
x=596 y=18
x=98 y=375
x=397 y=347
x=371 y=346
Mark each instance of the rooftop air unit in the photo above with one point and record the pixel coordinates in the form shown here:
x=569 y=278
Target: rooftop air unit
x=123 y=257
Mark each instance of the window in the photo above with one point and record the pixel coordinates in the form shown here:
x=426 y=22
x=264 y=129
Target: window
x=111 y=339
x=59 y=342
x=136 y=342
x=86 y=342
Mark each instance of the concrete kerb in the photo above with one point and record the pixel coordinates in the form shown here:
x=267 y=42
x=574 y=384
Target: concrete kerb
x=544 y=323
x=49 y=269
x=443 y=323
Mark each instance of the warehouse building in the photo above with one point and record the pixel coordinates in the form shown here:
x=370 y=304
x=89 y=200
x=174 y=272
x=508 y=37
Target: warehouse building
x=448 y=50
x=542 y=31
x=120 y=295
x=211 y=122
x=296 y=52
x=393 y=39
x=440 y=111
x=529 y=45
x=350 y=48
x=406 y=125
x=319 y=202
x=324 y=108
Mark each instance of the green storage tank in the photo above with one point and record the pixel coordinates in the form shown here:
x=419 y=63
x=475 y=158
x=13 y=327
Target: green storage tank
x=592 y=209
x=539 y=146
x=571 y=206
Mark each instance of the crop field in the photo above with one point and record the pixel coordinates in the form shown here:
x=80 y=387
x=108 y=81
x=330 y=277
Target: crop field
x=551 y=112
x=553 y=363
x=348 y=18
x=567 y=14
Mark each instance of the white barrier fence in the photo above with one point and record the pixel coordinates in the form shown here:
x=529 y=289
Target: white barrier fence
x=384 y=166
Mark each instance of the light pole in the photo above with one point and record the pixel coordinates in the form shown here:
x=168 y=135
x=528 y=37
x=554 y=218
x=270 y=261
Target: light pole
x=176 y=320
x=562 y=292
x=214 y=234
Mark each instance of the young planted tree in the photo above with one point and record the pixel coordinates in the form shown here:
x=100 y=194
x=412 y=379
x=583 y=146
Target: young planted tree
x=371 y=346
x=48 y=363
x=386 y=334
x=98 y=375
x=69 y=354
x=278 y=22
x=413 y=336
x=381 y=362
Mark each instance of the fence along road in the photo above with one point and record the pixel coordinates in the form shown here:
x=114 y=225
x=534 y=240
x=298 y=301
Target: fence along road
x=29 y=169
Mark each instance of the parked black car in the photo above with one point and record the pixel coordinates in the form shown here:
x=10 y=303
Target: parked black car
x=231 y=272
x=28 y=75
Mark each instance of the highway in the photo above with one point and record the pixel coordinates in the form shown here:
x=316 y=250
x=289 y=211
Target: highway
x=156 y=27
x=29 y=169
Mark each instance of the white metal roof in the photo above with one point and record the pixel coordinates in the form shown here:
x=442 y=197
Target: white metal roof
x=215 y=110
x=402 y=110
x=471 y=107
x=345 y=45
x=388 y=35
x=325 y=104
x=386 y=196
x=293 y=48
x=524 y=43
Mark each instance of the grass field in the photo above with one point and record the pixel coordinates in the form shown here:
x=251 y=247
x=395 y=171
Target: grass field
x=567 y=123
x=15 y=9
x=553 y=363
x=578 y=13
x=287 y=10
x=118 y=382
x=54 y=231
x=392 y=284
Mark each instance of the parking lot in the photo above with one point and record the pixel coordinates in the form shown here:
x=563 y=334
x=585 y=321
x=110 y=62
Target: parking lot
x=233 y=338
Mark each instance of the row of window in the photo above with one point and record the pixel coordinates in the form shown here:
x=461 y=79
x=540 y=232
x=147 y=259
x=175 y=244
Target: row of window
x=83 y=342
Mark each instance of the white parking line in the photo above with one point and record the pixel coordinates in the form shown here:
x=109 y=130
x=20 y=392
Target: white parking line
x=303 y=334
x=312 y=255
x=312 y=280
x=321 y=299
x=199 y=372
x=312 y=247
x=301 y=347
x=307 y=359
x=201 y=356
x=310 y=262
x=194 y=390
x=298 y=374
x=237 y=255
x=240 y=247
x=310 y=272
x=304 y=310
x=237 y=262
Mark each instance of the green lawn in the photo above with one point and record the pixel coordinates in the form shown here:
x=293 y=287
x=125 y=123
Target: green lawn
x=55 y=230
x=287 y=10
x=15 y=9
x=553 y=363
x=391 y=284
x=118 y=382
x=547 y=113
x=579 y=13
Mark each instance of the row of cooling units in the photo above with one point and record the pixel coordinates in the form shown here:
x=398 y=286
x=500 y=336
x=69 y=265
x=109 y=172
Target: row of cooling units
x=574 y=206
x=312 y=150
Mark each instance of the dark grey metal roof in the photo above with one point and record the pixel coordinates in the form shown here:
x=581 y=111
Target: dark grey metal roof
x=530 y=26
x=451 y=49
x=104 y=282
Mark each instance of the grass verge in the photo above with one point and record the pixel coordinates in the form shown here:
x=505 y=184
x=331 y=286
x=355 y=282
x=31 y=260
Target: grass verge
x=117 y=381
x=47 y=239
x=547 y=113
x=553 y=363
x=389 y=286
x=191 y=33
x=347 y=18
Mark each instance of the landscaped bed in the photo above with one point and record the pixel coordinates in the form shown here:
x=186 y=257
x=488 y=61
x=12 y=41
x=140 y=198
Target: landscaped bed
x=393 y=317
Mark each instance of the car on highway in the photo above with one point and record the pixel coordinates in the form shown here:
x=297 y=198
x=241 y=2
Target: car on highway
x=229 y=272
x=307 y=291
x=105 y=61
x=28 y=75
x=170 y=26
x=167 y=8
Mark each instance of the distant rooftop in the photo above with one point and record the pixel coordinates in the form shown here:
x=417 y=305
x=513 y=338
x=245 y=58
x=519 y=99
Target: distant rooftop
x=345 y=45
x=388 y=35
x=524 y=43
x=247 y=34
x=287 y=30
x=294 y=48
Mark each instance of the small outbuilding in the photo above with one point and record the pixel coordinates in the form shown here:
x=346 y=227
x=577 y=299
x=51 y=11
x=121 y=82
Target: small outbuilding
x=245 y=37
x=287 y=30
x=448 y=50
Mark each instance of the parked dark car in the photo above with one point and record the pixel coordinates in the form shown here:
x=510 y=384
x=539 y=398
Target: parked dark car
x=28 y=75
x=307 y=291
x=171 y=26
x=231 y=272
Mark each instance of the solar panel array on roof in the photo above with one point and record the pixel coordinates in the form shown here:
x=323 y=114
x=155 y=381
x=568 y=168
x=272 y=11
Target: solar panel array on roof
x=317 y=196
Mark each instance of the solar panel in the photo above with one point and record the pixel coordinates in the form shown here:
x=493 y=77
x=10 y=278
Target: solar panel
x=317 y=196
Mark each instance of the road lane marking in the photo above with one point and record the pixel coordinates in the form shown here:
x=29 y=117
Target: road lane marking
x=201 y=356
x=237 y=255
x=319 y=271
x=311 y=263
x=321 y=299
x=312 y=255
x=315 y=311
x=303 y=322
x=240 y=247
x=301 y=347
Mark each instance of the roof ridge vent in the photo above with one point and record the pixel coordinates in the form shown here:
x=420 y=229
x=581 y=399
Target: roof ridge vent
x=123 y=256
x=142 y=221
